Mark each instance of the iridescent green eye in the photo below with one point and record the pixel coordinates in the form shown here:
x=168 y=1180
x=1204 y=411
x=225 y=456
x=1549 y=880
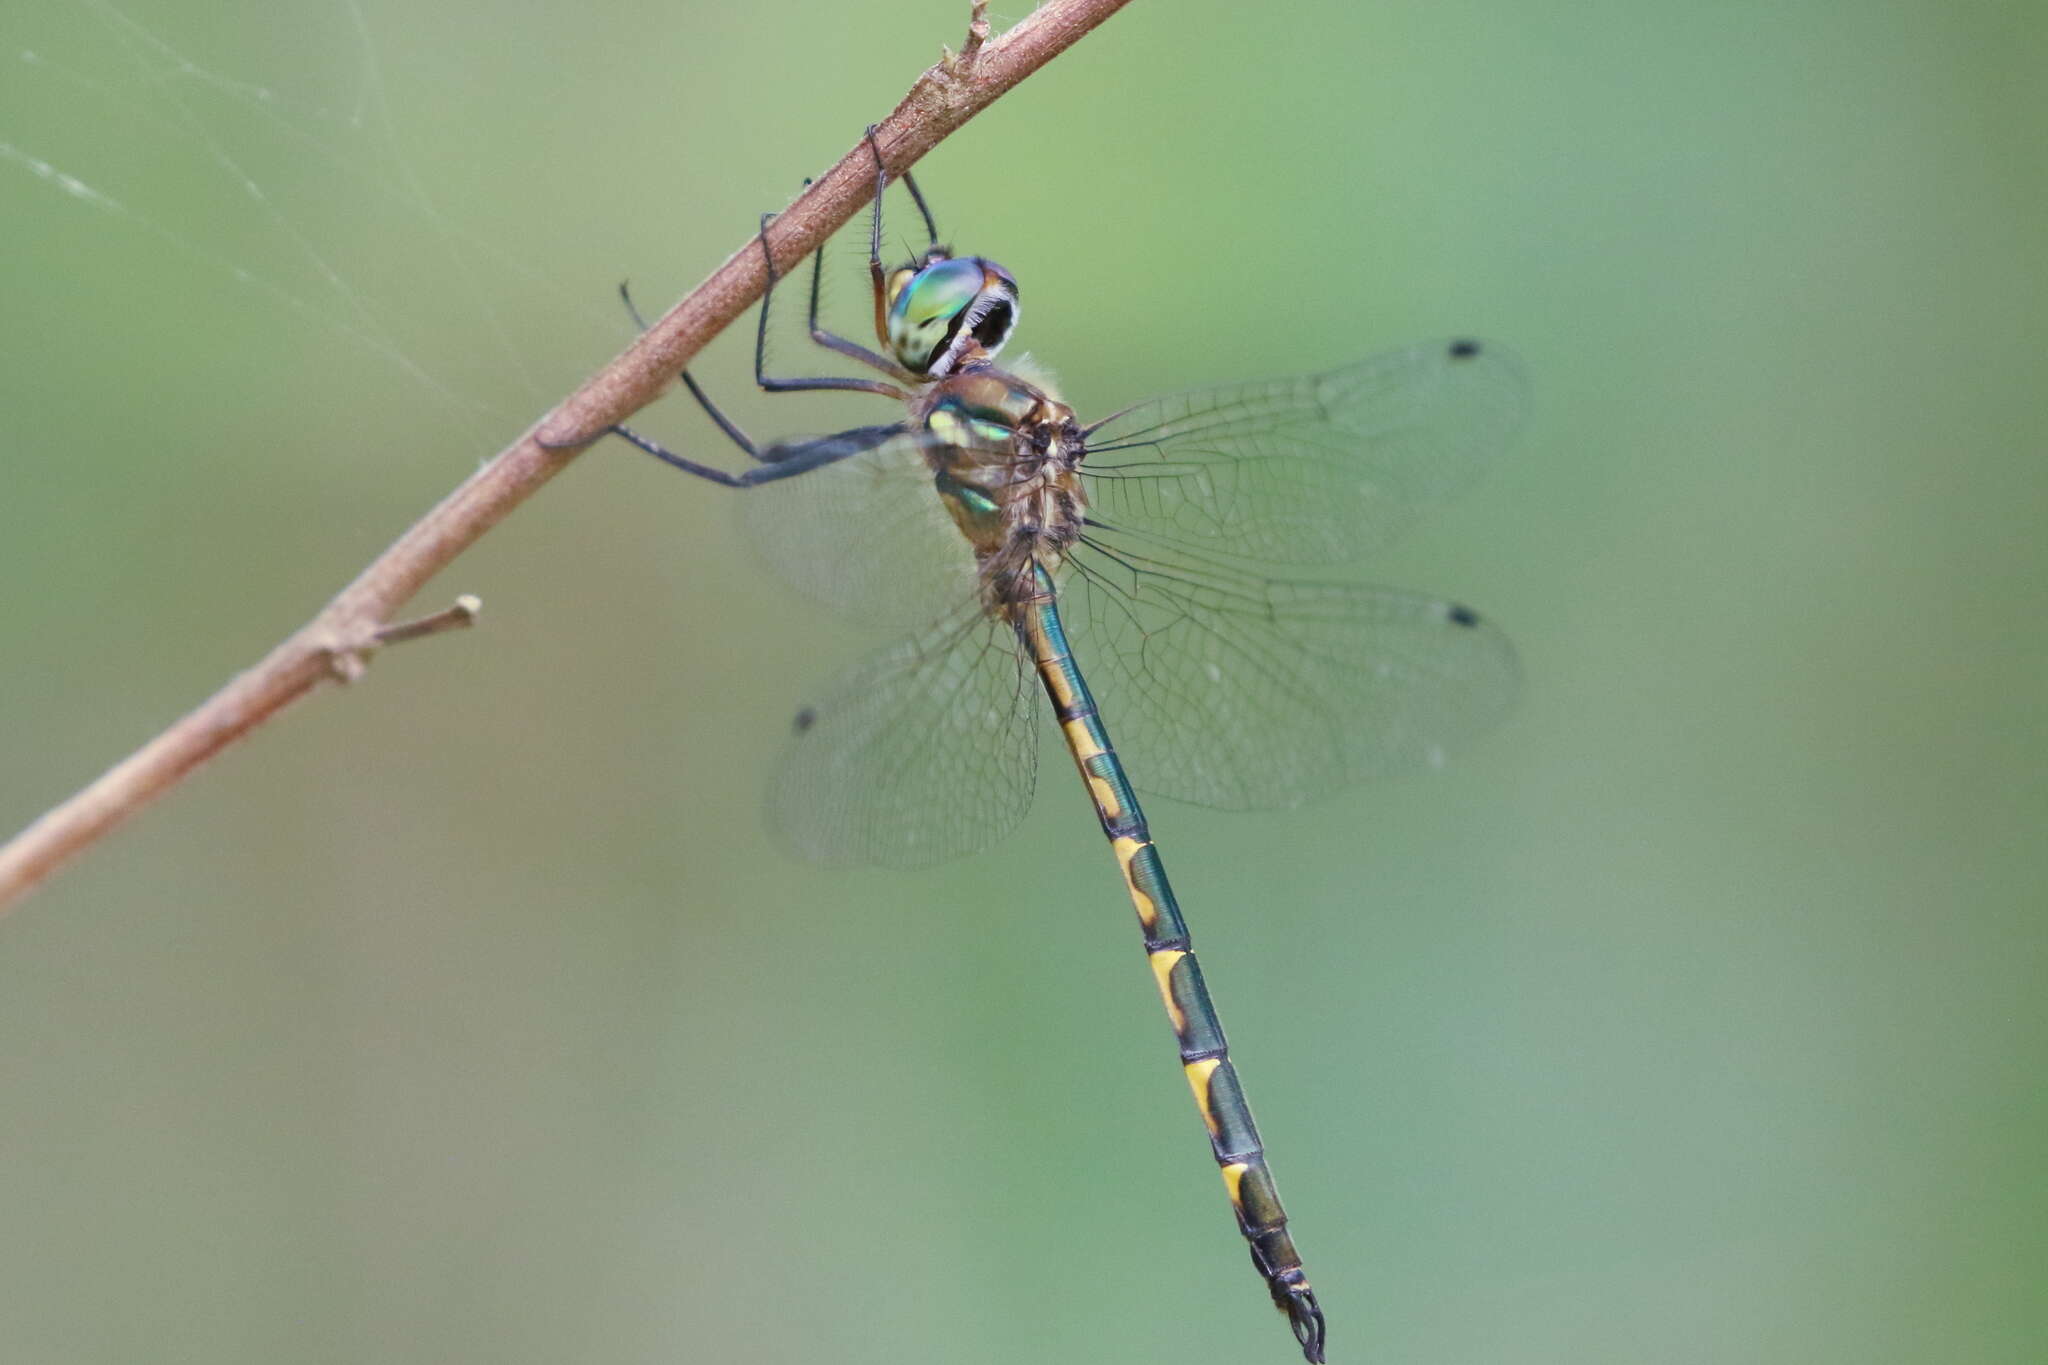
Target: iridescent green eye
x=946 y=307
x=938 y=292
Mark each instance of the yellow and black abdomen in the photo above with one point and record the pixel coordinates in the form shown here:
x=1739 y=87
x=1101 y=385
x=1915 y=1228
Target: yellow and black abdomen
x=1204 y=1052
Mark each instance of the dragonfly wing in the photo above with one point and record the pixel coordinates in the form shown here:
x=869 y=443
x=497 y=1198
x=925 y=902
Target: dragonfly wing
x=1315 y=469
x=924 y=751
x=1240 y=692
x=867 y=536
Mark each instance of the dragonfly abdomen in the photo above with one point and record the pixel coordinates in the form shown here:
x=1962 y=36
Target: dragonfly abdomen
x=1198 y=1031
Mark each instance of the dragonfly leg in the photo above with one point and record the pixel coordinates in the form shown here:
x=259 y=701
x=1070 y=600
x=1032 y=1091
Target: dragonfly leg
x=832 y=341
x=780 y=461
x=777 y=462
x=931 y=227
x=754 y=450
x=822 y=382
x=878 y=278
x=711 y=409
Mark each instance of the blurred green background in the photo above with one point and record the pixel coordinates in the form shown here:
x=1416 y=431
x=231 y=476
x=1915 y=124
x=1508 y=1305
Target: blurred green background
x=469 y=1015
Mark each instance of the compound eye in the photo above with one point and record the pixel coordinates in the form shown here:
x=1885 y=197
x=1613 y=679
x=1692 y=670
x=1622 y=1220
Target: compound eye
x=924 y=308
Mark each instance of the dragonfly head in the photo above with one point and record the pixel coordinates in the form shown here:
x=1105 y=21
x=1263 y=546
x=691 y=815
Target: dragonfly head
x=945 y=309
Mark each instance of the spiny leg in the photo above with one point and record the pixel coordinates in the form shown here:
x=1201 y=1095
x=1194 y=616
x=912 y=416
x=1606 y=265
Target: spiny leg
x=821 y=335
x=832 y=341
x=777 y=462
x=924 y=210
x=711 y=409
x=799 y=457
x=822 y=382
x=766 y=454
x=878 y=278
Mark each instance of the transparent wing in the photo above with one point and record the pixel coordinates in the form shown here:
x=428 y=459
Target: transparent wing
x=924 y=751
x=1223 y=686
x=866 y=536
x=1231 y=690
x=1316 y=469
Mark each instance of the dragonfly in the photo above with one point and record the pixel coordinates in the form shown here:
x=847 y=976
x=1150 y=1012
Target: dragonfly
x=1174 y=545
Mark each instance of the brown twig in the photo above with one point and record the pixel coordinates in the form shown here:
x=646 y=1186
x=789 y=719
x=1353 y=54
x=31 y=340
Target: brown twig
x=336 y=643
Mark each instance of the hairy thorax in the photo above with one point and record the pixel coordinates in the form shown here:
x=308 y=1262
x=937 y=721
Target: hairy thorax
x=1004 y=459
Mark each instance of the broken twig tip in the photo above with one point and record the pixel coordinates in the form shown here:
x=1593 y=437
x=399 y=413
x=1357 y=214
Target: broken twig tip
x=457 y=617
x=961 y=62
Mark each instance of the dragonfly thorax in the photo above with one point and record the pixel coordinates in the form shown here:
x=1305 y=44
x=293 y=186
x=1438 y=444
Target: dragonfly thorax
x=1004 y=456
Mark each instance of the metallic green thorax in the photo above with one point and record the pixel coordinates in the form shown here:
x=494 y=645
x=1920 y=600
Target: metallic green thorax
x=1005 y=456
x=1204 y=1053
